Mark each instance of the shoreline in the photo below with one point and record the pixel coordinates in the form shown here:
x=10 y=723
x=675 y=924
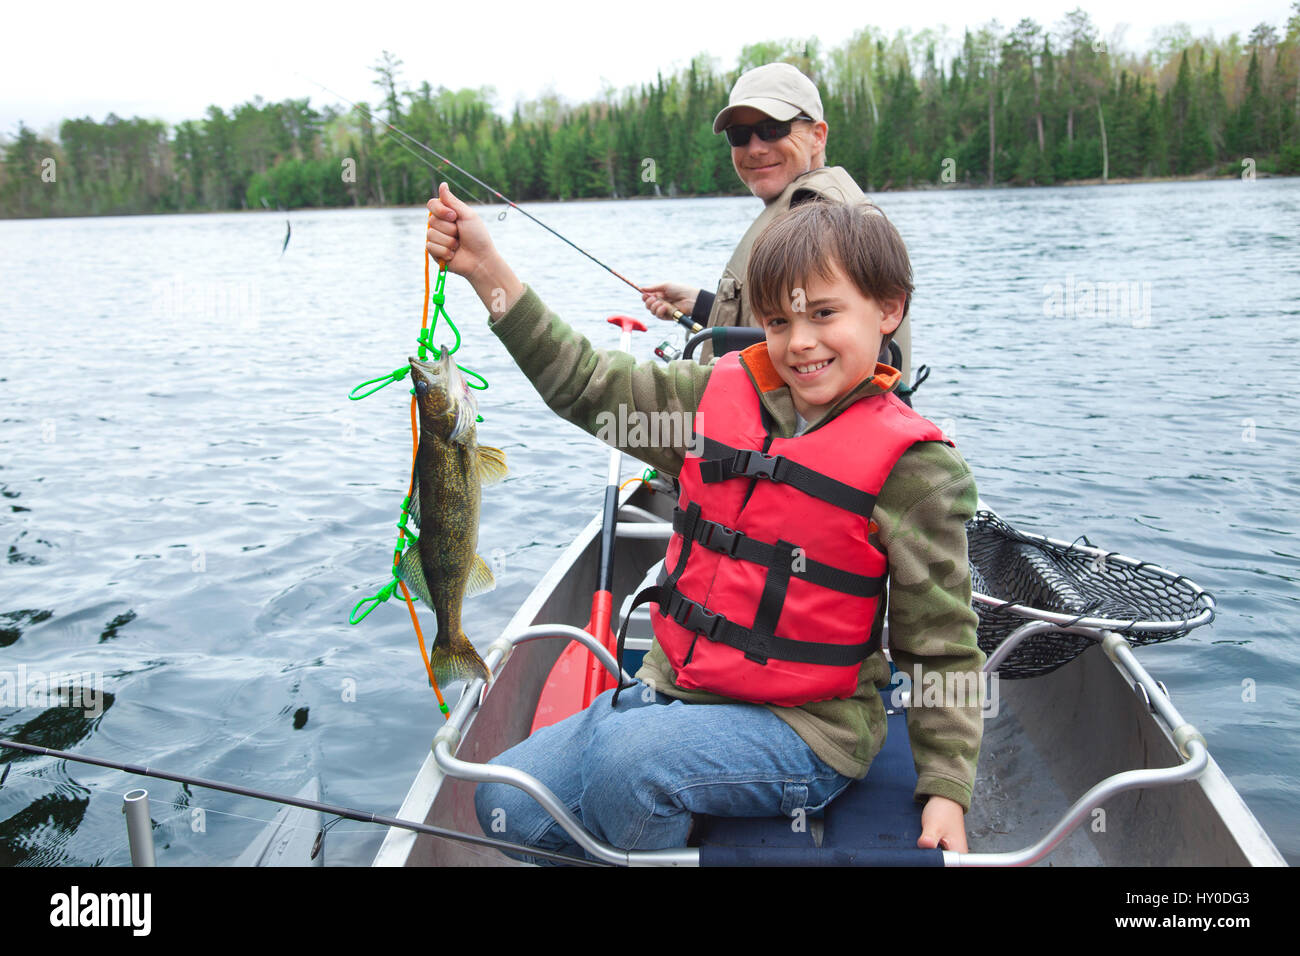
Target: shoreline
x=917 y=187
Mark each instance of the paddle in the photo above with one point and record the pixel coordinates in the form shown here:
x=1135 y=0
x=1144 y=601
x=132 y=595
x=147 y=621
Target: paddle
x=577 y=677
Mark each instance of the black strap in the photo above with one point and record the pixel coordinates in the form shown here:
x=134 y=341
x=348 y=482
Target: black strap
x=758 y=645
x=695 y=617
x=722 y=462
x=659 y=592
x=689 y=525
x=763 y=633
x=737 y=544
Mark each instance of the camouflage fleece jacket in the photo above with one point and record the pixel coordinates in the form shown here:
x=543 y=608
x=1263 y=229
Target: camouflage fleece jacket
x=921 y=512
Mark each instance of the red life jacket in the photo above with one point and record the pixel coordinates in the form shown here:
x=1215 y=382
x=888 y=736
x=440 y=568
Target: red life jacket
x=771 y=586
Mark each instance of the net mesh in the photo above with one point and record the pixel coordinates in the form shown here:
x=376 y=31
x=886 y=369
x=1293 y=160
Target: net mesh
x=1047 y=576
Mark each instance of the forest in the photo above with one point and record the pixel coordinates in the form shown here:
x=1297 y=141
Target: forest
x=1022 y=106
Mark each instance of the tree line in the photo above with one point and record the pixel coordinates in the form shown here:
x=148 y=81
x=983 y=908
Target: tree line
x=1022 y=106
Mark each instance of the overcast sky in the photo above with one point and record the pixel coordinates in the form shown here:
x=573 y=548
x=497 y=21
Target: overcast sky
x=171 y=61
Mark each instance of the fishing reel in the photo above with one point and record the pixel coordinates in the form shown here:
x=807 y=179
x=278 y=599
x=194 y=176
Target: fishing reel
x=667 y=352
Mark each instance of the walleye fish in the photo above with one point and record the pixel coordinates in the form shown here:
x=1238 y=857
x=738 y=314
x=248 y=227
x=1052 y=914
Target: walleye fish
x=450 y=468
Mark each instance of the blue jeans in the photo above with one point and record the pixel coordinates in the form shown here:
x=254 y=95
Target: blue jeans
x=634 y=774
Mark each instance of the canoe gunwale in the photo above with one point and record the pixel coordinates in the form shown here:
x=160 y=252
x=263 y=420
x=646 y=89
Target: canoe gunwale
x=1174 y=741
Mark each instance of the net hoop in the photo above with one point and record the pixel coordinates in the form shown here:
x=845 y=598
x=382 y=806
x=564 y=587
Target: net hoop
x=1017 y=576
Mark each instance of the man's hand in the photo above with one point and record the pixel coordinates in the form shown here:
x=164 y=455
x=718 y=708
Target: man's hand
x=458 y=237
x=661 y=299
x=943 y=824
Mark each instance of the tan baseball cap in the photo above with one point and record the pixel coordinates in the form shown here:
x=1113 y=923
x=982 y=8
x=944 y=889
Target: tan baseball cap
x=777 y=89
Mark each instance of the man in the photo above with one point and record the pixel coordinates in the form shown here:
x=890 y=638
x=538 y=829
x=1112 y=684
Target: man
x=774 y=123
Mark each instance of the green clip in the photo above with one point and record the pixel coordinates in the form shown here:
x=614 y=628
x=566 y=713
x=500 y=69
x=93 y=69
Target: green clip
x=396 y=375
x=649 y=475
x=426 y=338
x=384 y=594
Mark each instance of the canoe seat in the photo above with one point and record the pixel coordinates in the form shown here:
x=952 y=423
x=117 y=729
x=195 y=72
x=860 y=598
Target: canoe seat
x=873 y=822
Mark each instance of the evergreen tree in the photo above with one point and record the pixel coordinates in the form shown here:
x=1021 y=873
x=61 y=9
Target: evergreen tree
x=1249 y=123
x=1189 y=135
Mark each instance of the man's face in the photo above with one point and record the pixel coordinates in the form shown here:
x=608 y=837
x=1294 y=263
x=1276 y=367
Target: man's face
x=767 y=168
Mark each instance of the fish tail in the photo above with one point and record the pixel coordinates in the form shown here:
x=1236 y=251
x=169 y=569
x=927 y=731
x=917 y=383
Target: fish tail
x=457 y=660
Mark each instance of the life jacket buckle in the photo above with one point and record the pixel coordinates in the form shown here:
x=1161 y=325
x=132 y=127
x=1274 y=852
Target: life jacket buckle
x=706 y=622
x=694 y=617
x=727 y=540
x=679 y=610
x=752 y=463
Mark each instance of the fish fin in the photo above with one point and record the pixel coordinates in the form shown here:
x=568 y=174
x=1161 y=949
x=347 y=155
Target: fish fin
x=466 y=419
x=414 y=509
x=457 y=660
x=480 y=578
x=411 y=570
x=491 y=464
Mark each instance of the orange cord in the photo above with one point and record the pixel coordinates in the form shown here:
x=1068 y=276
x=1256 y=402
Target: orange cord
x=415 y=449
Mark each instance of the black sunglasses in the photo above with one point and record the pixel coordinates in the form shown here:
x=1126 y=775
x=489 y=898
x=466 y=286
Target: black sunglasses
x=769 y=131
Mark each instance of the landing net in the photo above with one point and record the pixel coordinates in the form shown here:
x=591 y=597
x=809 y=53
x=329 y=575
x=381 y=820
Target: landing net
x=1018 y=577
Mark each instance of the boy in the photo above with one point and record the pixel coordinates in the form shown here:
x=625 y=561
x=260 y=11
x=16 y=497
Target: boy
x=856 y=481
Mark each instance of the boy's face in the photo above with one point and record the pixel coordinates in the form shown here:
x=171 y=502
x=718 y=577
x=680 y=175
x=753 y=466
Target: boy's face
x=824 y=350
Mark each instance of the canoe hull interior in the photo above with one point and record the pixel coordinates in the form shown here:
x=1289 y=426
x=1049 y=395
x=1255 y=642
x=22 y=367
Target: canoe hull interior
x=1057 y=735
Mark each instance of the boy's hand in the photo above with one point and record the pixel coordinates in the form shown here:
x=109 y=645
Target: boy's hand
x=943 y=825
x=661 y=299
x=458 y=237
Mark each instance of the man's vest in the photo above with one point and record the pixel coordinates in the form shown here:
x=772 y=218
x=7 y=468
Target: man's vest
x=771 y=585
x=731 y=304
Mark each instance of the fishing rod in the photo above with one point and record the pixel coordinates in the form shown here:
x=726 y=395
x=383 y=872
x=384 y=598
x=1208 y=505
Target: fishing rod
x=678 y=315
x=442 y=172
x=331 y=809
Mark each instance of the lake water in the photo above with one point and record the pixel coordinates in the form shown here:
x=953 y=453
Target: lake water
x=192 y=505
